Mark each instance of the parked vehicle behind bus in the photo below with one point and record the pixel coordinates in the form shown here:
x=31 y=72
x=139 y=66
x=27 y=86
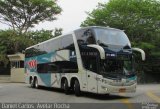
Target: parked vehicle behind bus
x=92 y=59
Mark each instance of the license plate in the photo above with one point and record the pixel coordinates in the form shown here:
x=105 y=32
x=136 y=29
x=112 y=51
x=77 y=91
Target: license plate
x=122 y=90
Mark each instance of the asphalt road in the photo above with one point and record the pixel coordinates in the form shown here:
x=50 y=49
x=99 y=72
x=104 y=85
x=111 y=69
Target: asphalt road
x=22 y=93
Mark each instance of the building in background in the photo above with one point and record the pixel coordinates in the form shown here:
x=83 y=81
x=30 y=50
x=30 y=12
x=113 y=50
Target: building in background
x=17 y=67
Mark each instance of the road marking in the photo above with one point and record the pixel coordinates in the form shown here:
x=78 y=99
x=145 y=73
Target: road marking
x=153 y=96
x=126 y=101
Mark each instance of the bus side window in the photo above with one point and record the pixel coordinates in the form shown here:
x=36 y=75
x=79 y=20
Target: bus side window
x=41 y=68
x=52 y=68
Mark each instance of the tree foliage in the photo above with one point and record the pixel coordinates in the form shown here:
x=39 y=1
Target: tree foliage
x=12 y=42
x=141 y=21
x=43 y=35
x=139 y=18
x=21 y=15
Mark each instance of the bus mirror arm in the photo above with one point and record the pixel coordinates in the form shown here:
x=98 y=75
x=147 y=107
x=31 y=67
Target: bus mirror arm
x=141 y=51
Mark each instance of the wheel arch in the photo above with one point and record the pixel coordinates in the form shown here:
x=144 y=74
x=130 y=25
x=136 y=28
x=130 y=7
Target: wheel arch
x=63 y=80
x=73 y=80
x=30 y=79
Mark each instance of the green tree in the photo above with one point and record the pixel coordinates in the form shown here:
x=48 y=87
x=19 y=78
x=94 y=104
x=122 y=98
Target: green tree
x=58 y=32
x=43 y=35
x=21 y=15
x=12 y=42
x=141 y=21
x=3 y=49
x=139 y=18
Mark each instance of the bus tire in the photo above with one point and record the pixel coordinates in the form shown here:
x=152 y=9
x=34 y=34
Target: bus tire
x=77 y=88
x=32 y=83
x=36 y=83
x=66 y=87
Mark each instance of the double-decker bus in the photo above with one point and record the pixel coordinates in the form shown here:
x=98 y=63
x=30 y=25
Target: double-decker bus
x=92 y=59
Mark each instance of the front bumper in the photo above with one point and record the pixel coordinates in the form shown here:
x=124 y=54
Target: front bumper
x=117 y=89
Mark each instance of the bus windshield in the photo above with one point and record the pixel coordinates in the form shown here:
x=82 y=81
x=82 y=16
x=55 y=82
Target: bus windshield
x=117 y=68
x=111 y=37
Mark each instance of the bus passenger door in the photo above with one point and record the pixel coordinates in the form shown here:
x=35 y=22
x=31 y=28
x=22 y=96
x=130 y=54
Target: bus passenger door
x=92 y=82
x=55 y=75
x=92 y=74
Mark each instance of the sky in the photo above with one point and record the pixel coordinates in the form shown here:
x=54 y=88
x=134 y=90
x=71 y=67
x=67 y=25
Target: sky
x=74 y=12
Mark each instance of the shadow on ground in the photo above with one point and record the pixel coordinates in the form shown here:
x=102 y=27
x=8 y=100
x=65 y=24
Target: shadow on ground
x=87 y=94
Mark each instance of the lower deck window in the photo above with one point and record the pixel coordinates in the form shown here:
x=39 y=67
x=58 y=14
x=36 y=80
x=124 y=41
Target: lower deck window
x=58 y=67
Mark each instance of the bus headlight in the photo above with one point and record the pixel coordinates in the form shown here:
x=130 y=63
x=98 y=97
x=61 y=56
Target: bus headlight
x=106 y=89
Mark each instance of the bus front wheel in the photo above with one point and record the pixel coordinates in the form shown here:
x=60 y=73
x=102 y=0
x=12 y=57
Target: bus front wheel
x=77 y=88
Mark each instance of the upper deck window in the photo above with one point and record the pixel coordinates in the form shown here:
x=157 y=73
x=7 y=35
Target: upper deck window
x=111 y=37
x=85 y=36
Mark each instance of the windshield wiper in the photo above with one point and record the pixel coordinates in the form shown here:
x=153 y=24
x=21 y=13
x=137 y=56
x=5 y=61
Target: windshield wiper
x=102 y=44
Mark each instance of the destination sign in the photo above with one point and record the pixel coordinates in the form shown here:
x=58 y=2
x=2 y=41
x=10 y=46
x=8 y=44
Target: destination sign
x=89 y=53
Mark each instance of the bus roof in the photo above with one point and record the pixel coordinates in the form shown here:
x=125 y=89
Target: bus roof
x=48 y=40
x=89 y=27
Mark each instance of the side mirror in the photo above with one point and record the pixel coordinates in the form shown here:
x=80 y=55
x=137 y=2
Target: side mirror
x=141 y=51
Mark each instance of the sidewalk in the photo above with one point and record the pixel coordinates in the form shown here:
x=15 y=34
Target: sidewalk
x=4 y=78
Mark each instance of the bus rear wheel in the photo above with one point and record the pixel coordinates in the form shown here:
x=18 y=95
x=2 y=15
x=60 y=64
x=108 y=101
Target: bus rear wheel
x=32 y=83
x=36 y=83
x=66 y=87
x=77 y=88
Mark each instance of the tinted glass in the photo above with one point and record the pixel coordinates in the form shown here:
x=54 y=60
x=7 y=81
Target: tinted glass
x=85 y=36
x=63 y=60
x=67 y=42
x=111 y=37
x=52 y=45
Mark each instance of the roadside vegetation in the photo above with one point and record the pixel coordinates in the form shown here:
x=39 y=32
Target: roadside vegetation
x=141 y=21
x=21 y=16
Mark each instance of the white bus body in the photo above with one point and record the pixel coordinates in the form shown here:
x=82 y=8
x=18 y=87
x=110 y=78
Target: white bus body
x=91 y=59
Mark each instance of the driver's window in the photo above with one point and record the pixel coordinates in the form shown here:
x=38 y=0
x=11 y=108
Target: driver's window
x=90 y=63
x=85 y=36
x=91 y=40
x=89 y=37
